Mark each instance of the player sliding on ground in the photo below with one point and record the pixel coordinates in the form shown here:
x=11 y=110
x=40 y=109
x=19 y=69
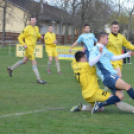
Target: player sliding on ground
x=30 y=34
x=86 y=76
x=51 y=49
x=107 y=77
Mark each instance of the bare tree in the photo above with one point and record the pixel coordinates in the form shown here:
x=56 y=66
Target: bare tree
x=129 y=7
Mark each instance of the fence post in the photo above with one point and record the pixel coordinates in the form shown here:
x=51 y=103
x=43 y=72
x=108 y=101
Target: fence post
x=9 y=49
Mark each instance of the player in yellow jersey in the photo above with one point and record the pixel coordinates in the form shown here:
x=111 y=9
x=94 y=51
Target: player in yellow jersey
x=30 y=34
x=116 y=42
x=87 y=78
x=51 y=49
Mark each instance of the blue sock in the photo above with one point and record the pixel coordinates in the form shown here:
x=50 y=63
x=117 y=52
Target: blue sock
x=131 y=93
x=110 y=101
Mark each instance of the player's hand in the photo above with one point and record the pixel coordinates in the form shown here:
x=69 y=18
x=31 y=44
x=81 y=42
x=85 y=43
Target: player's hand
x=25 y=46
x=55 y=42
x=100 y=49
x=131 y=53
x=41 y=37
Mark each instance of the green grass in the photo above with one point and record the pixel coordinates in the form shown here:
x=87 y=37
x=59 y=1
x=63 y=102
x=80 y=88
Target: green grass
x=21 y=94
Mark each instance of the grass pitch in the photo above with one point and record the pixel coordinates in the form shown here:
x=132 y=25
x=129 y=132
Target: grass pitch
x=30 y=108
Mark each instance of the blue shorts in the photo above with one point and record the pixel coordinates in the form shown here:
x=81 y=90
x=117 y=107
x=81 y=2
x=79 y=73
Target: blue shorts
x=87 y=54
x=110 y=81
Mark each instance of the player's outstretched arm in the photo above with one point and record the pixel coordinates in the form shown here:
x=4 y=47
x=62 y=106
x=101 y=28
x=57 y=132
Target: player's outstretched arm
x=128 y=44
x=128 y=54
x=75 y=43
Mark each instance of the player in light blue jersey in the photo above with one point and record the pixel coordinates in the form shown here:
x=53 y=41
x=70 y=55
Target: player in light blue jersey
x=101 y=57
x=88 y=39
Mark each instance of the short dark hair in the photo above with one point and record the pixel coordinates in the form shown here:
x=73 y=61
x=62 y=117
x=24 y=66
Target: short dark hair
x=86 y=25
x=79 y=55
x=101 y=34
x=32 y=16
x=50 y=25
x=114 y=23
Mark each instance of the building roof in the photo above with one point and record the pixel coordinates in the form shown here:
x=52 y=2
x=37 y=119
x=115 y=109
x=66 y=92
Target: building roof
x=50 y=13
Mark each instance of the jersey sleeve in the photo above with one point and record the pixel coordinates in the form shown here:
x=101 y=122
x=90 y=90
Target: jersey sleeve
x=79 y=40
x=48 y=40
x=39 y=34
x=22 y=36
x=93 y=54
x=127 y=44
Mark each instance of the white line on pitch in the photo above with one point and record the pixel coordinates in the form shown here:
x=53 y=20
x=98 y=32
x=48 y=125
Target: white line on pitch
x=30 y=112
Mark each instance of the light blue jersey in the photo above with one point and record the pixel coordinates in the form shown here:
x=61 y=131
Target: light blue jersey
x=88 y=39
x=103 y=66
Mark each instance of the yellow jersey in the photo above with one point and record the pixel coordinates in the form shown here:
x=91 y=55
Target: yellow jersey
x=86 y=77
x=30 y=34
x=49 y=38
x=115 y=45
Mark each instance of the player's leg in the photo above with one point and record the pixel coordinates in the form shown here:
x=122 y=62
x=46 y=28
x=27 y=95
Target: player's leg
x=81 y=107
x=118 y=72
x=118 y=68
x=58 y=66
x=16 y=65
x=50 y=58
x=36 y=72
x=125 y=107
x=111 y=100
x=55 y=55
x=122 y=85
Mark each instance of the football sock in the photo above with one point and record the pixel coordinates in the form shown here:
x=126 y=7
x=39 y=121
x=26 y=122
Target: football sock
x=110 y=101
x=58 y=66
x=35 y=70
x=49 y=64
x=17 y=64
x=125 y=107
x=131 y=92
x=86 y=108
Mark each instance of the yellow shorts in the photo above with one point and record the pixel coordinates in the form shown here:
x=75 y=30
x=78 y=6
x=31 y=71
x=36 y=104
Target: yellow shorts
x=117 y=66
x=99 y=96
x=52 y=52
x=29 y=52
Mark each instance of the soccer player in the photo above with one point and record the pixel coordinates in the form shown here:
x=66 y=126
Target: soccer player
x=87 y=38
x=87 y=78
x=102 y=61
x=30 y=34
x=51 y=49
x=116 y=42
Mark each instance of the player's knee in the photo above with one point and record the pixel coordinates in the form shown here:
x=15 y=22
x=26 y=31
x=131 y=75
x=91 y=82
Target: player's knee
x=24 y=61
x=120 y=95
x=50 y=60
x=128 y=86
x=56 y=59
x=120 y=75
